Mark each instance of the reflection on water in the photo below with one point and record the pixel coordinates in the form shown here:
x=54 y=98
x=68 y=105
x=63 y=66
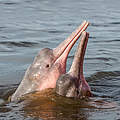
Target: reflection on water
x=60 y=107
x=48 y=105
x=29 y=25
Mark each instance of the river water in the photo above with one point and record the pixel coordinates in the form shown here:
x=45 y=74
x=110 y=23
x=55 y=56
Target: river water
x=26 y=26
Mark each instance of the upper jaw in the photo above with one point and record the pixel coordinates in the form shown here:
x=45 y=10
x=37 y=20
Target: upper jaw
x=62 y=51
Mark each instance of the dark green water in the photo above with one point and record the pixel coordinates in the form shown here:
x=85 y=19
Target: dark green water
x=26 y=26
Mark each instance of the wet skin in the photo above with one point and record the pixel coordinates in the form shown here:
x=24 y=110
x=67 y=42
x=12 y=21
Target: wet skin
x=47 y=66
x=73 y=83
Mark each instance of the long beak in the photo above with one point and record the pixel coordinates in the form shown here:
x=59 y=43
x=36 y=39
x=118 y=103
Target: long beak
x=82 y=55
x=77 y=65
x=62 y=51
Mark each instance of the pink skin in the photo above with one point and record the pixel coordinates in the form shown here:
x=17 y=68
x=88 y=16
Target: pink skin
x=60 y=61
x=77 y=67
x=73 y=83
x=47 y=66
x=84 y=87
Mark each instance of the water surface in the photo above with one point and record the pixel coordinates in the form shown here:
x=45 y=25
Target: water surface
x=29 y=25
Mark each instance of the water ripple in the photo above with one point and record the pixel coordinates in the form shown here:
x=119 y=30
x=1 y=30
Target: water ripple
x=102 y=58
x=107 y=41
x=115 y=23
x=9 y=2
x=18 y=44
x=99 y=25
x=103 y=75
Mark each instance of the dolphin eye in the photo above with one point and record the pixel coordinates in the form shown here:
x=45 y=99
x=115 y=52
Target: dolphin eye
x=47 y=66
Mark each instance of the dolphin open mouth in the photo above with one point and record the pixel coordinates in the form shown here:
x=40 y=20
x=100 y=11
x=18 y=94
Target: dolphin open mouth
x=62 y=51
